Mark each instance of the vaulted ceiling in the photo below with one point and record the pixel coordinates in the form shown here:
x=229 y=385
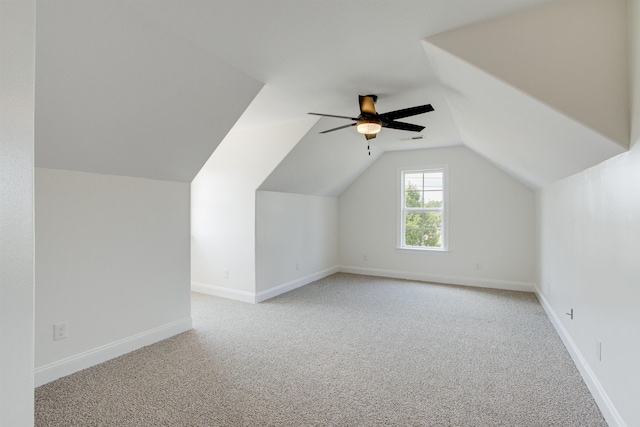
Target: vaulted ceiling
x=151 y=88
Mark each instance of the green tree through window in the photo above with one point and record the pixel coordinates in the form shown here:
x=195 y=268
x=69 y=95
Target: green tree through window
x=422 y=209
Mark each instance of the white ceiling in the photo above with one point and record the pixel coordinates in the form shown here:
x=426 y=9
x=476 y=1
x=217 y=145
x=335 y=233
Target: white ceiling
x=116 y=94
x=150 y=88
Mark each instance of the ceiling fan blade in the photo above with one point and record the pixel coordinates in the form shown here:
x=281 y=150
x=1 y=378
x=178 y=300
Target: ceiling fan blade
x=338 y=128
x=406 y=112
x=331 y=115
x=367 y=104
x=370 y=135
x=403 y=126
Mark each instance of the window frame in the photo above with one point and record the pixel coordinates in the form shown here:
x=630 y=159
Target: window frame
x=402 y=171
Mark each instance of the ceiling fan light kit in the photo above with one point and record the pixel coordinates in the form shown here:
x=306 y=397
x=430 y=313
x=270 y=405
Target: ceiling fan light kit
x=368 y=127
x=369 y=122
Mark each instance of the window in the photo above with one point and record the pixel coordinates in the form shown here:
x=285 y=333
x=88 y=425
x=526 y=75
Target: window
x=423 y=208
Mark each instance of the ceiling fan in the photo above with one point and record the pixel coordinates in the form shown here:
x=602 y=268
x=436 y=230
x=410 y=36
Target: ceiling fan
x=369 y=122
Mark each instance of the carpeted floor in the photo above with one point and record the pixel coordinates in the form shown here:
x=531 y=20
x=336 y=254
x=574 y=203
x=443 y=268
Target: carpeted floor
x=344 y=351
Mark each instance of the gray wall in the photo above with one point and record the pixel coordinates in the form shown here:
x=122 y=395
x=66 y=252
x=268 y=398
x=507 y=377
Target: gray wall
x=17 y=74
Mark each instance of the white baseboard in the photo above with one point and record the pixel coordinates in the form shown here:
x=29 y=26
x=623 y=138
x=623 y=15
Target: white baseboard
x=609 y=411
x=289 y=286
x=78 y=362
x=220 y=291
x=254 y=298
x=437 y=278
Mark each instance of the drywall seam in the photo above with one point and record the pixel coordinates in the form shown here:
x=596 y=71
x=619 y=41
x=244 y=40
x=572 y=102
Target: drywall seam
x=77 y=362
x=509 y=285
x=607 y=408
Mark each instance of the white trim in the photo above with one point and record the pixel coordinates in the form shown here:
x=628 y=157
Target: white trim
x=219 y=291
x=510 y=285
x=440 y=167
x=416 y=249
x=258 y=297
x=289 y=286
x=607 y=408
x=84 y=360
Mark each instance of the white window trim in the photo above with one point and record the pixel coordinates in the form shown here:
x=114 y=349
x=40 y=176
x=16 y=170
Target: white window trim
x=445 y=210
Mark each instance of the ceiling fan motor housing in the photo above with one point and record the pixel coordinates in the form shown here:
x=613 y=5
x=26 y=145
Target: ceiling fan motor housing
x=369 y=122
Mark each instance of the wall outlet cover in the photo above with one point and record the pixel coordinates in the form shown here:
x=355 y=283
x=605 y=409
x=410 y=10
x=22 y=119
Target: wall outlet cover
x=60 y=331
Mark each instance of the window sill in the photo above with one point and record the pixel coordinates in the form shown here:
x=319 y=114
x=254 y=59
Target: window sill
x=435 y=251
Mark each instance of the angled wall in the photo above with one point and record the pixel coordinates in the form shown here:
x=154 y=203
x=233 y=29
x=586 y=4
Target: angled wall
x=569 y=55
x=17 y=87
x=541 y=93
x=323 y=165
x=223 y=205
x=589 y=261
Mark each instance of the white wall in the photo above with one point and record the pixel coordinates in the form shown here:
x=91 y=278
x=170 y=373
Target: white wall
x=223 y=205
x=296 y=238
x=491 y=223
x=112 y=259
x=17 y=77
x=590 y=261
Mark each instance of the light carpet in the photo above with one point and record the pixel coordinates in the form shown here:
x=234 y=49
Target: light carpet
x=346 y=350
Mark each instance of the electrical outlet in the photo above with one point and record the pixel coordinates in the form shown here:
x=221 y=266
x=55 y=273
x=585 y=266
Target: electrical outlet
x=60 y=331
x=297 y=266
x=364 y=257
x=226 y=273
x=478 y=266
x=599 y=350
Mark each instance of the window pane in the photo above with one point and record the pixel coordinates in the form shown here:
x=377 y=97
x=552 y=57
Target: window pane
x=413 y=238
x=414 y=180
x=423 y=189
x=423 y=208
x=433 y=229
x=432 y=184
x=412 y=197
x=432 y=180
x=423 y=229
x=414 y=220
x=432 y=199
x=414 y=226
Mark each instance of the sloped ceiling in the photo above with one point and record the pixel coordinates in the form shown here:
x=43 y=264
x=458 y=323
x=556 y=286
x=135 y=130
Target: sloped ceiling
x=326 y=164
x=150 y=88
x=542 y=93
x=570 y=55
x=117 y=94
